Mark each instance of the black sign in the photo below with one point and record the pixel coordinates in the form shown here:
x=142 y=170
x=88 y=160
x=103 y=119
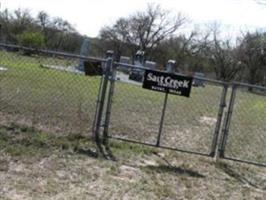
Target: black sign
x=167 y=83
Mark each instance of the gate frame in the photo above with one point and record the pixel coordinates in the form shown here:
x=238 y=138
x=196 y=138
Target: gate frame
x=226 y=125
x=110 y=77
x=101 y=102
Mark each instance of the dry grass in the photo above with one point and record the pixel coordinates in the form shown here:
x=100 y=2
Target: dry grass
x=37 y=165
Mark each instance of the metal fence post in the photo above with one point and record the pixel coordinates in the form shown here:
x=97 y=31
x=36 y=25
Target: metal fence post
x=170 y=69
x=97 y=106
x=227 y=121
x=217 y=131
x=162 y=120
x=109 y=104
x=99 y=114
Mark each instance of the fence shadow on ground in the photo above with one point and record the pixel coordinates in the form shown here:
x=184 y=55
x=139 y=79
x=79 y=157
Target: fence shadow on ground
x=87 y=152
x=240 y=177
x=174 y=170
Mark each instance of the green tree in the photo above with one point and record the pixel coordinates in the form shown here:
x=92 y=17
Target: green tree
x=32 y=39
x=19 y=27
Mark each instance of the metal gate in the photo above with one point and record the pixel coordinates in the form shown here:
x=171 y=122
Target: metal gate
x=130 y=113
x=209 y=123
x=244 y=130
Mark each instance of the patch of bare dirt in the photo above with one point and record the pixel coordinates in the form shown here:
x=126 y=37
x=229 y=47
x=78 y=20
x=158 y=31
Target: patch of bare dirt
x=210 y=121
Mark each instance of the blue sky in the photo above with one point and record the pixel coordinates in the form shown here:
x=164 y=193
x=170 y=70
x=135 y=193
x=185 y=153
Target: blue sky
x=89 y=16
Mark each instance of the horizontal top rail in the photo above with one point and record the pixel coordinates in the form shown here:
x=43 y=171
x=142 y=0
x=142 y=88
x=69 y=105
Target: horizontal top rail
x=146 y=68
x=212 y=80
x=130 y=66
x=249 y=85
x=91 y=58
x=58 y=53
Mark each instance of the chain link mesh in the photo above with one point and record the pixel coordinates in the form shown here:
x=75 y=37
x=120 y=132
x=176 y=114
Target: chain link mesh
x=189 y=123
x=46 y=91
x=135 y=112
x=247 y=132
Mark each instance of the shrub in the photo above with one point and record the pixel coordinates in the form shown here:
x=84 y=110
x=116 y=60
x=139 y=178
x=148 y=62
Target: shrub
x=33 y=39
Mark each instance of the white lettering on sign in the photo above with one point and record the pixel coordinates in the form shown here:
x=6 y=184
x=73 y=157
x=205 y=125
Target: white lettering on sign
x=168 y=81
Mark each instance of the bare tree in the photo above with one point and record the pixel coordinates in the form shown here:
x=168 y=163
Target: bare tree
x=224 y=60
x=22 y=20
x=143 y=30
x=180 y=48
x=43 y=19
x=252 y=54
x=222 y=55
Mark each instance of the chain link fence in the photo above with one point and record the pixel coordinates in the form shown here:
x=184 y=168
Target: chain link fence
x=244 y=134
x=136 y=112
x=66 y=94
x=191 y=123
x=45 y=90
x=170 y=121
